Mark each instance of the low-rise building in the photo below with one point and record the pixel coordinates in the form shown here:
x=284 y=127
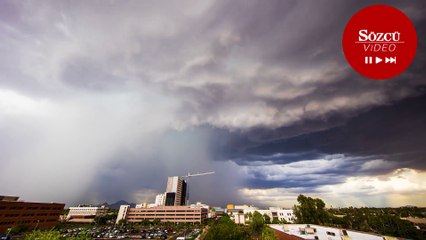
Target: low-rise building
x=275 y=214
x=32 y=214
x=199 y=204
x=283 y=215
x=316 y=232
x=218 y=211
x=86 y=213
x=239 y=218
x=245 y=207
x=146 y=205
x=175 y=214
x=206 y=206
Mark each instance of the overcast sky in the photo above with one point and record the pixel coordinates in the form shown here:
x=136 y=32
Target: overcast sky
x=102 y=100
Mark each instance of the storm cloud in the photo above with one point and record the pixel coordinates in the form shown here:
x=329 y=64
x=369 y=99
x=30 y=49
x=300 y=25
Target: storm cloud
x=101 y=101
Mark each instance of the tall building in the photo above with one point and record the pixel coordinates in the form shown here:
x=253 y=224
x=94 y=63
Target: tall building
x=177 y=186
x=32 y=214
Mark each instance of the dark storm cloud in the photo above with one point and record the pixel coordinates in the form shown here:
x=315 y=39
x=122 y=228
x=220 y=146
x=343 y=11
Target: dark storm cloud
x=297 y=54
x=390 y=136
x=131 y=92
x=359 y=128
x=392 y=129
x=328 y=175
x=277 y=157
x=308 y=184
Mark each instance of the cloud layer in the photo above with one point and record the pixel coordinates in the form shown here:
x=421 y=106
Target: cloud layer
x=102 y=101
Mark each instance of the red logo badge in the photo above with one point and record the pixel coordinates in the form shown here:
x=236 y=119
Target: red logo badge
x=379 y=42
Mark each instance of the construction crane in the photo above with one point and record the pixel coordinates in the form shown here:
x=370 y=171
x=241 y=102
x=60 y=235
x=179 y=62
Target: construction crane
x=188 y=176
x=196 y=174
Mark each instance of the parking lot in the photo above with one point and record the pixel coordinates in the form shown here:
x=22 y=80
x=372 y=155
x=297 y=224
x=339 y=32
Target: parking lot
x=130 y=232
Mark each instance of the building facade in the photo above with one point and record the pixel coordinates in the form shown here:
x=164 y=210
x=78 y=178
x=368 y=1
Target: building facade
x=206 y=206
x=277 y=214
x=159 y=200
x=282 y=215
x=170 y=199
x=86 y=212
x=32 y=214
x=174 y=214
x=239 y=218
x=145 y=205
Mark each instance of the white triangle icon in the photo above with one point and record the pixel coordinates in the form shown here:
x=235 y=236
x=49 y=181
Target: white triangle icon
x=378 y=59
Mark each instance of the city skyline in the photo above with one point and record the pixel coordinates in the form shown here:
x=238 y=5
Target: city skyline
x=102 y=101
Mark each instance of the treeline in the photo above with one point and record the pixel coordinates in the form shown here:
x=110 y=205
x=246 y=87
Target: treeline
x=402 y=212
x=313 y=211
x=226 y=229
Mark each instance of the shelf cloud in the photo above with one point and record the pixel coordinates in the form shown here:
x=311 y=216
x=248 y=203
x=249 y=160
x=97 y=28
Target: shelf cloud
x=101 y=101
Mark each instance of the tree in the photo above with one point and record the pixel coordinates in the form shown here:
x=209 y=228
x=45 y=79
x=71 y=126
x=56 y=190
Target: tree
x=311 y=210
x=275 y=221
x=156 y=222
x=104 y=219
x=268 y=234
x=18 y=228
x=39 y=235
x=257 y=223
x=145 y=222
x=85 y=236
x=384 y=221
x=226 y=229
x=249 y=216
x=122 y=222
x=267 y=218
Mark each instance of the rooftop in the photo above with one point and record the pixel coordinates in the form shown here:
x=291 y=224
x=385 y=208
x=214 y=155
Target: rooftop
x=9 y=198
x=317 y=232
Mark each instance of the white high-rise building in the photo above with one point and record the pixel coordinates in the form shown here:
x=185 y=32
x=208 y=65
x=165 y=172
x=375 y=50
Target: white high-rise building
x=172 y=184
x=159 y=200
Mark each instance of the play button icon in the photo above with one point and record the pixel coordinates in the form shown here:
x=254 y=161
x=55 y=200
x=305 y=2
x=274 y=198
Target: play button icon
x=378 y=60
